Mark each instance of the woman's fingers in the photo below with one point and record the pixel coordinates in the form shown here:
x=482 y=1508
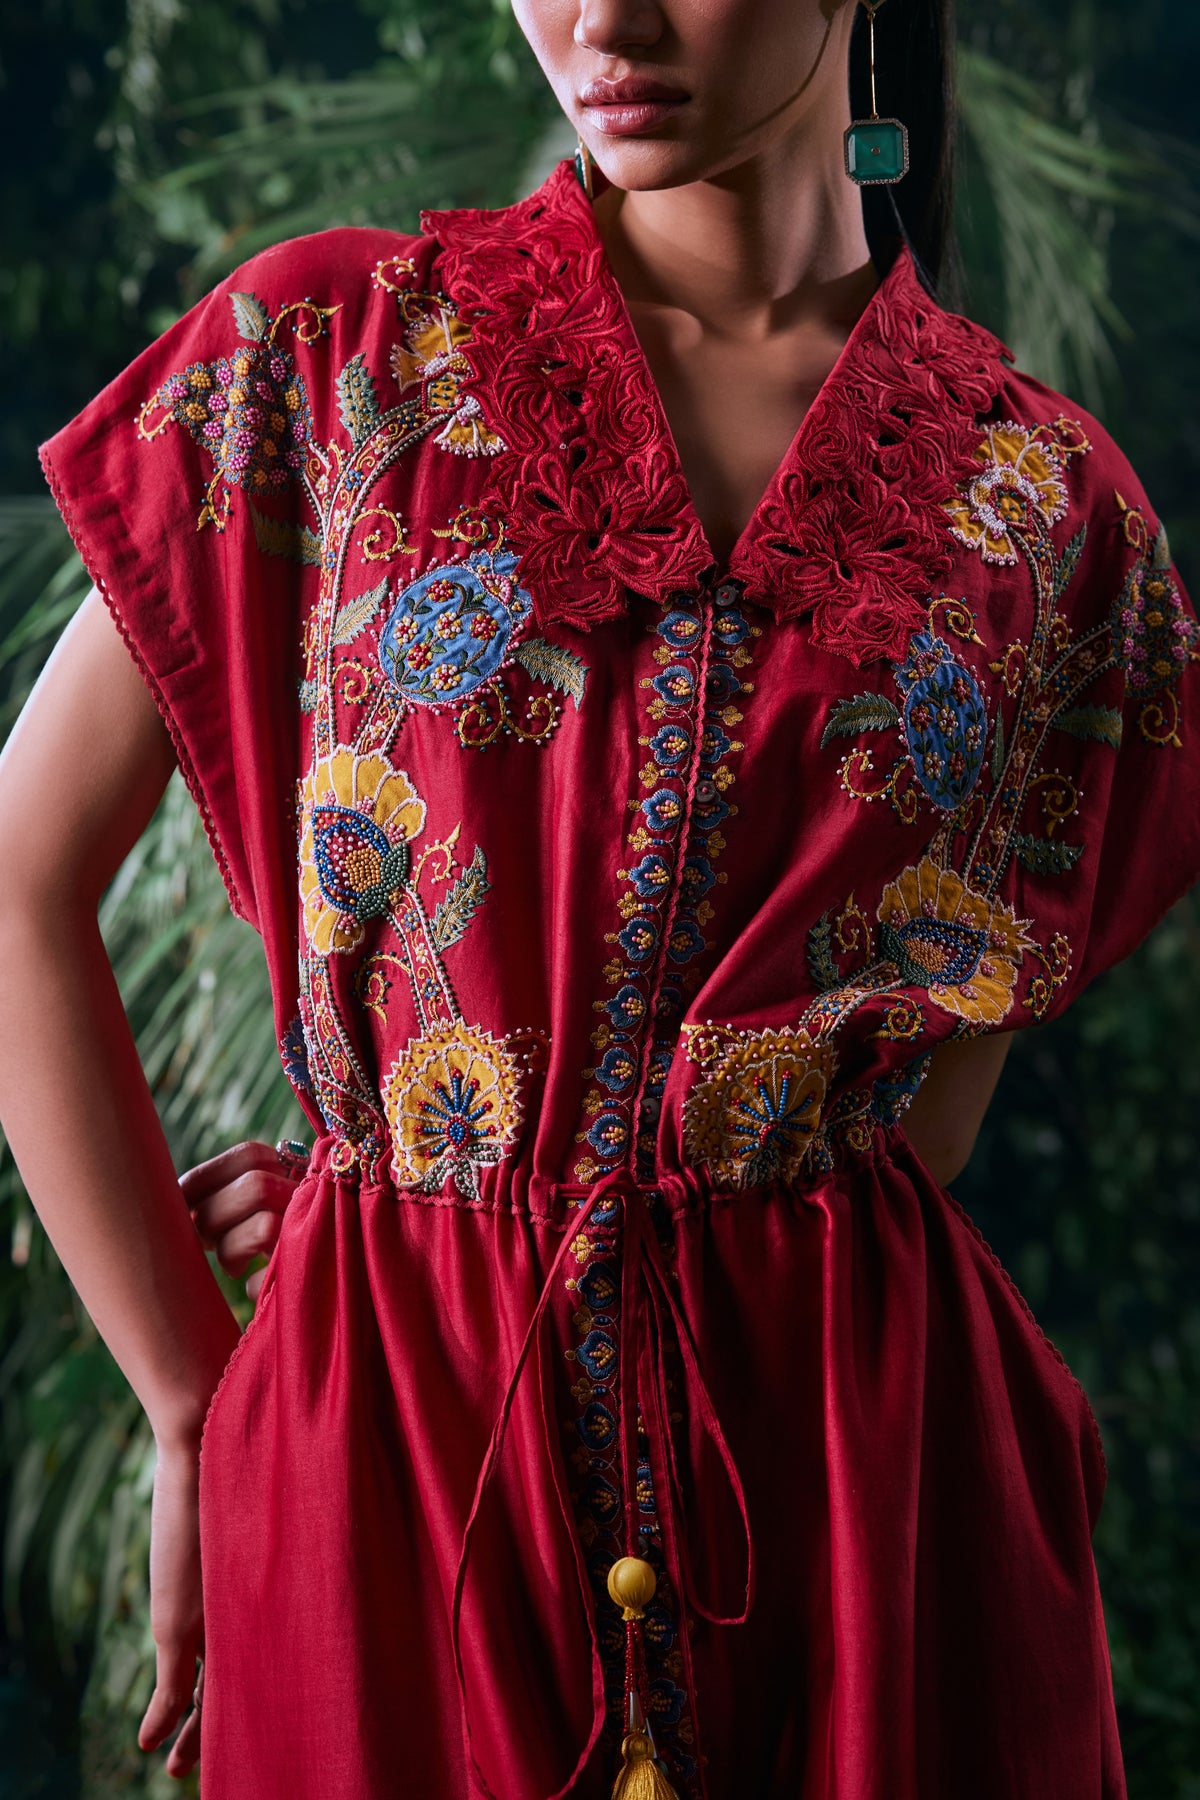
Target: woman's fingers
x=257 y=1191
x=176 y=1613
x=237 y=1201
x=254 y=1236
x=219 y=1170
x=184 y=1753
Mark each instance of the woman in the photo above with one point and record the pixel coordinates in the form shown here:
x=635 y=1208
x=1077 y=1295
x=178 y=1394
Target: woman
x=663 y=687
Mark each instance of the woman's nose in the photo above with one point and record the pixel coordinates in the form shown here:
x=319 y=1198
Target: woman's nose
x=612 y=26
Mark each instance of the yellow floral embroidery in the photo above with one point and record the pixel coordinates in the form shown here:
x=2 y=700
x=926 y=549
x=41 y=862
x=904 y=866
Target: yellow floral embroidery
x=1020 y=482
x=358 y=816
x=962 y=948
x=754 y=1114
x=430 y=357
x=452 y=1103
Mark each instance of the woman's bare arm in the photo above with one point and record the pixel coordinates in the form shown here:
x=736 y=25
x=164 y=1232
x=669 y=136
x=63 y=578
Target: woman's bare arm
x=944 y=1119
x=79 y=779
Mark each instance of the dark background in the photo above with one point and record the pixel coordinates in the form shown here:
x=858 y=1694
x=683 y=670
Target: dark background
x=150 y=145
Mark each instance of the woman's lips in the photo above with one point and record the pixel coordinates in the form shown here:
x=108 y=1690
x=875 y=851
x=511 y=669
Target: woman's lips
x=631 y=107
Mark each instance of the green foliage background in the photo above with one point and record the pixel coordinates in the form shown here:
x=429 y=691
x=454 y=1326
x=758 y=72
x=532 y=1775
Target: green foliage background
x=155 y=143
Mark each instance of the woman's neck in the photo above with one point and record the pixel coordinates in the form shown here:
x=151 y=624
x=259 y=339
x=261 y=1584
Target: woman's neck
x=752 y=251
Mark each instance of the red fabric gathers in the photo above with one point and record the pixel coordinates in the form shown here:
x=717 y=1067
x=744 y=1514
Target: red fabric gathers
x=613 y=900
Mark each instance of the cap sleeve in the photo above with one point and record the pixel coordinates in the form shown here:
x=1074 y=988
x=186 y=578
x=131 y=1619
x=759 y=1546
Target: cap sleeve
x=185 y=487
x=1140 y=776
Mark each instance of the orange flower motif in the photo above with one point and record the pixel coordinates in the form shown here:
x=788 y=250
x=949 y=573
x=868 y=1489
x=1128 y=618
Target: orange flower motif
x=431 y=358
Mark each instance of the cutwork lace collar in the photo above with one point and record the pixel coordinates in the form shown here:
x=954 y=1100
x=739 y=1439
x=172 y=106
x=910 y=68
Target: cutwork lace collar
x=852 y=529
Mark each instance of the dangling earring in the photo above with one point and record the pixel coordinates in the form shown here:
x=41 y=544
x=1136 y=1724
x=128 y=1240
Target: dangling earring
x=876 y=149
x=584 y=167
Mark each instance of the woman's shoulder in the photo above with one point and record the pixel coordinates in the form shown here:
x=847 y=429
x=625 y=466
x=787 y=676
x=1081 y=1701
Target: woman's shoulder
x=1045 y=470
x=343 y=266
x=1055 y=440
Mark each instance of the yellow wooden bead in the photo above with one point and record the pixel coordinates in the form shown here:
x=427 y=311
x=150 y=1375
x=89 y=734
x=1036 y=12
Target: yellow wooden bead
x=631 y=1583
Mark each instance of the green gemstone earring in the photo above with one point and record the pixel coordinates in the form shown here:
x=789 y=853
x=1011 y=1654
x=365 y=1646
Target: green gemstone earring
x=584 y=167
x=876 y=149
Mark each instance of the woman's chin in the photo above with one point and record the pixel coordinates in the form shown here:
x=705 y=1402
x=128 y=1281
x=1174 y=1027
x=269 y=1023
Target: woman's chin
x=639 y=164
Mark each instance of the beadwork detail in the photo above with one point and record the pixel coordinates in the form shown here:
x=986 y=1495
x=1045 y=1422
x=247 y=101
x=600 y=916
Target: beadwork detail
x=704 y=645
x=452 y=1101
x=754 y=1115
x=1157 y=633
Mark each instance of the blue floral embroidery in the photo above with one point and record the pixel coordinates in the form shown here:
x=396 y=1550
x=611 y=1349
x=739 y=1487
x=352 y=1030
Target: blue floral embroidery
x=358 y=867
x=597 y=1426
x=608 y=1135
x=893 y=1094
x=944 y=720
x=651 y=877
x=688 y=725
x=450 y=630
x=293 y=1053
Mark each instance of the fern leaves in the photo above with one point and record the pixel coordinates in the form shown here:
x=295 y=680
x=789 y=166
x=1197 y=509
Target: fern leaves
x=280 y=537
x=862 y=712
x=357 y=614
x=250 y=316
x=461 y=902
x=557 y=667
x=1045 y=856
x=1100 y=722
x=356 y=400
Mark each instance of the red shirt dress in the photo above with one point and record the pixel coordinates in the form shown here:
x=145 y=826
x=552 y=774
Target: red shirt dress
x=613 y=901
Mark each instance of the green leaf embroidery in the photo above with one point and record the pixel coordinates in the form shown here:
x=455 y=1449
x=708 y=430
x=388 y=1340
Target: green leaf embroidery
x=998 y=746
x=557 y=667
x=1100 y=722
x=1045 y=856
x=279 y=537
x=1070 y=560
x=356 y=400
x=460 y=904
x=308 y=695
x=820 y=958
x=357 y=613
x=250 y=316
x=1160 y=552
x=864 y=712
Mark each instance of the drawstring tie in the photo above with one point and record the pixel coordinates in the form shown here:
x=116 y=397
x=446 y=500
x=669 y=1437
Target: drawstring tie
x=647 y=1307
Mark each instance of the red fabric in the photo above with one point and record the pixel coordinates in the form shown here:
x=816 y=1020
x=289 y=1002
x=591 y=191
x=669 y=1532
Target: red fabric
x=612 y=901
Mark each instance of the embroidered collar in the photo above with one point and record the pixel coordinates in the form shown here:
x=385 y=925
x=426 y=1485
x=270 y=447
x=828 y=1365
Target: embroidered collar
x=852 y=528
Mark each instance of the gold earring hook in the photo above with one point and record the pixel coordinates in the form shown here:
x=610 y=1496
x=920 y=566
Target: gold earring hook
x=872 y=7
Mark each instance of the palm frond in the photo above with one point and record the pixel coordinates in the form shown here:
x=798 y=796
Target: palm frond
x=1055 y=188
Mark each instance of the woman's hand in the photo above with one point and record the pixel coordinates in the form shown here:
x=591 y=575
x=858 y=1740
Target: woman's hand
x=238 y=1200
x=176 y=1615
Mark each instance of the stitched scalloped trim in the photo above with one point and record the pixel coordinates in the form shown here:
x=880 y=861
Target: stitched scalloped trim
x=182 y=755
x=264 y=1301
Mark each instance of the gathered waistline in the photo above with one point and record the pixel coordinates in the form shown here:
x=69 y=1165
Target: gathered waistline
x=507 y=1187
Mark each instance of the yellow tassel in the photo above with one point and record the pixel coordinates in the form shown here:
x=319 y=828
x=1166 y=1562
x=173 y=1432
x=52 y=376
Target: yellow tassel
x=641 y=1777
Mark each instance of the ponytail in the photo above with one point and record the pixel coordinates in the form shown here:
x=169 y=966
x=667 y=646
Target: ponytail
x=914 y=76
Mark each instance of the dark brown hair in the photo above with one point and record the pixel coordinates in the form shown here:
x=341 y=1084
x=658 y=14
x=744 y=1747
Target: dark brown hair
x=914 y=80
